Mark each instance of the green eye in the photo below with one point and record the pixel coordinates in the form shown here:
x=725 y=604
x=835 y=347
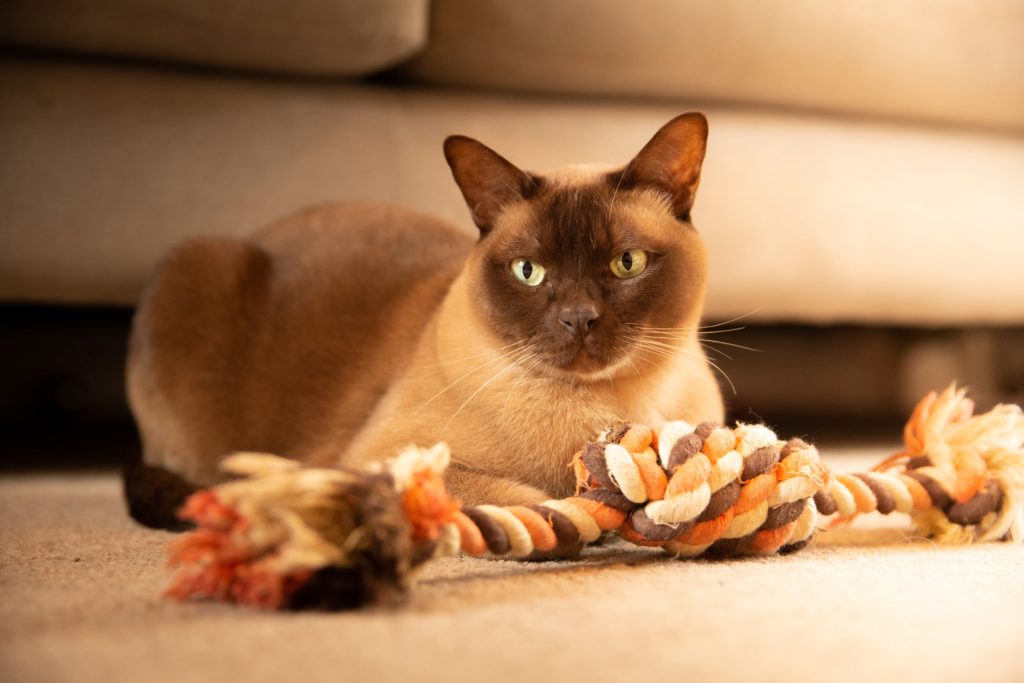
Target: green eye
x=630 y=264
x=529 y=273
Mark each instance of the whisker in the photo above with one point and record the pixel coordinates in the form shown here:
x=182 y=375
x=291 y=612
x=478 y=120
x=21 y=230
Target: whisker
x=483 y=386
x=670 y=331
x=672 y=353
x=669 y=350
x=723 y=373
x=505 y=356
x=720 y=352
x=652 y=344
x=732 y=320
x=475 y=355
x=663 y=333
x=660 y=344
x=725 y=331
x=735 y=346
x=667 y=333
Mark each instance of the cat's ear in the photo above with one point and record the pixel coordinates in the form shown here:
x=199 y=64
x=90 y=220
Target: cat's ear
x=671 y=161
x=488 y=181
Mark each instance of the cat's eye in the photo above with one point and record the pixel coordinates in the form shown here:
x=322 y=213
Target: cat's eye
x=528 y=272
x=629 y=264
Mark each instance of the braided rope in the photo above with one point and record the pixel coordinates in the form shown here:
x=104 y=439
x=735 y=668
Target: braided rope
x=689 y=490
x=709 y=489
x=287 y=535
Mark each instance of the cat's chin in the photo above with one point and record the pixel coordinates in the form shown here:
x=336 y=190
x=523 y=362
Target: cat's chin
x=584 y=367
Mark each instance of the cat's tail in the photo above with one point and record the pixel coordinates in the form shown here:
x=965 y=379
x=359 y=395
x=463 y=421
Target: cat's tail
x=154 y=495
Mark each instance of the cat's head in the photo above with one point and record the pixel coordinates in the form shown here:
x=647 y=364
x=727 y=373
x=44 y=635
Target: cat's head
x=588 y=267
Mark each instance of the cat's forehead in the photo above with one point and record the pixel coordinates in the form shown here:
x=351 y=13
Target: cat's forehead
x=579 y=211
x=576 y=175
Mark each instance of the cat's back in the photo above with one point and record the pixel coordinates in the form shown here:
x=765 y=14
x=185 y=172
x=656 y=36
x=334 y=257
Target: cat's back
x=285 y=340
x=373 y=247
x=357 y=278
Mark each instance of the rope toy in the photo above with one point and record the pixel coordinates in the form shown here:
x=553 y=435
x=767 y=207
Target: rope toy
x=288 y=536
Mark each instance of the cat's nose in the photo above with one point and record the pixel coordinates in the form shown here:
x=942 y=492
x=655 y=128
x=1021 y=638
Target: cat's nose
x=579 y=319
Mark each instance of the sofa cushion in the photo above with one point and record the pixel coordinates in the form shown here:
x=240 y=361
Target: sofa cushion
x=946 y=60
x=306 y=36
x=806 y=218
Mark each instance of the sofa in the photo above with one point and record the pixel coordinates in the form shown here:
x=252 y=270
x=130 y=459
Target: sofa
x=864 y=177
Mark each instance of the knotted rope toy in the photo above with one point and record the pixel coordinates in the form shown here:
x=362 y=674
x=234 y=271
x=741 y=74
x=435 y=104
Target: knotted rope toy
x=288 y=536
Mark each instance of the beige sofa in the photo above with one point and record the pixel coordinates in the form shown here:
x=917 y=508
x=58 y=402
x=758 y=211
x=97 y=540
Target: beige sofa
x=865 y=166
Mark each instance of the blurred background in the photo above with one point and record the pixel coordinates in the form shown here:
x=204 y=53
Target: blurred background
x=862 y=198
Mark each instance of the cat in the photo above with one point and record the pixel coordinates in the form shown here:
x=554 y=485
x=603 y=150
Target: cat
x=342 y=333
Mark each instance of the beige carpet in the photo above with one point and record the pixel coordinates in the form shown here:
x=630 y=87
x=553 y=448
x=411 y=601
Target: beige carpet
x=80 y=600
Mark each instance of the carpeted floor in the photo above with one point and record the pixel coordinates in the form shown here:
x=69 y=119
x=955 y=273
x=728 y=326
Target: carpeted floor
x=80 y=600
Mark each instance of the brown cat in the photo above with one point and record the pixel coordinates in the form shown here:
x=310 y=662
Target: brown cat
x=348 y=331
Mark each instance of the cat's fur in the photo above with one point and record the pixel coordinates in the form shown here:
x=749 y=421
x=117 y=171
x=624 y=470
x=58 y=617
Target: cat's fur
x=347 y=331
